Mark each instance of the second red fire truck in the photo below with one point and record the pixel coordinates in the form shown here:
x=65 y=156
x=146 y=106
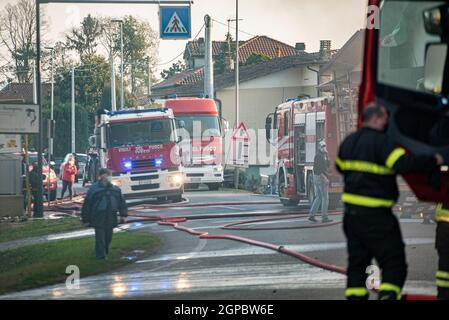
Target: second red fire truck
x=300 y=125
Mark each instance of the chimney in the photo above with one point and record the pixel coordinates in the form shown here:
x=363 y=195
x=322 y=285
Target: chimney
x=300 y=48
x=325 y=48
x=278 y=52
x=201 y=46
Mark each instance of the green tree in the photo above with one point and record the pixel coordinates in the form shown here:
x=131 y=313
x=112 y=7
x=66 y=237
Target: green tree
x=84 y=40
x=175 y=68
x=257 y=58
x=139 y=42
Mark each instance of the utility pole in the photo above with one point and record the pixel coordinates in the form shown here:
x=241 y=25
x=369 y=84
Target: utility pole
x=113 y=97
x=34 y=83
x=50 y=147
x=39 y=201
x=209 y=65
x=149 y=78
x=73 y=110
x=122 y=92
x=237 y=80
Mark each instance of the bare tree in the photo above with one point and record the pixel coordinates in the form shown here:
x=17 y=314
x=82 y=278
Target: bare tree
x=109 y=31
x=17 y=35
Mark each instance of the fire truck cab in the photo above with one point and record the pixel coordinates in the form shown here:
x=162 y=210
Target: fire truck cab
x=299 y=126
x=406 y=69
x=202 y=144
x=140 y=147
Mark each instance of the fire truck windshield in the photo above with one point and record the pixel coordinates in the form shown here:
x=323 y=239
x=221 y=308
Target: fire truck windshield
x=201 y=126
x=139 y=133
x=404 y=46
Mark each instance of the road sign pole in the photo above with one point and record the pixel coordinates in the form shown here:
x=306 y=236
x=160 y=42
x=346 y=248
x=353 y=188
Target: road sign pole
x=209 y=66
x=73 y=111
x=122 y=90
x=237 y=87
x=38 y=202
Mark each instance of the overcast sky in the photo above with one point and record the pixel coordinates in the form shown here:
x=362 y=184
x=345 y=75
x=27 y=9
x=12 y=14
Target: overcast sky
x=289 y=21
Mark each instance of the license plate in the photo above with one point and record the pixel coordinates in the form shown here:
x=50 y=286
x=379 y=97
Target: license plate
x=147 y=181
x=195 y=179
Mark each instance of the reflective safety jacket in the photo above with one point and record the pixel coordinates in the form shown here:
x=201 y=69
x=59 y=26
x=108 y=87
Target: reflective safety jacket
x=442 y=212
x=369 y=162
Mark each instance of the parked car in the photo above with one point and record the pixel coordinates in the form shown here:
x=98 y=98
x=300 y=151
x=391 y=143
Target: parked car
x=49 y=175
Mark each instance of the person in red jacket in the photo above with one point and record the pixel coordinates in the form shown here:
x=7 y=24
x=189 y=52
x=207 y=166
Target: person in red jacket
x=68 y=176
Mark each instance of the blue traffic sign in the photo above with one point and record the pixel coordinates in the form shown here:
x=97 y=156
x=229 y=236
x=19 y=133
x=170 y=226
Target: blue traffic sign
x=175 y=22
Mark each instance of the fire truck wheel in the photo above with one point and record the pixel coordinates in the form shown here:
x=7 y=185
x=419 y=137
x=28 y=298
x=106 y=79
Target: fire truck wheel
x=213 y=186
x=284 y=201
x=192 y=186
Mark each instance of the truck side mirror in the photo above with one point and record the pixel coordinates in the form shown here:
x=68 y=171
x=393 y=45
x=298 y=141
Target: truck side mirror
x=268 y=126
x=92 y=141
x=433 y=19
x=224 y=124
x=434 y=67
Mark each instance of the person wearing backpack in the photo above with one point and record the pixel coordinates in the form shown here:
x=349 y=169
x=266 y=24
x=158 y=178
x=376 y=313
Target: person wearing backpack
x=101 y=205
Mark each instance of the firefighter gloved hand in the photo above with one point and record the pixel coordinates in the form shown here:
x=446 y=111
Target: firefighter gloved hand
x=445 y=155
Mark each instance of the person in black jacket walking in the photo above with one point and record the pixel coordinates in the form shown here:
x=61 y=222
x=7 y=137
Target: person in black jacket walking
x=321 y=183
x=102 y=202
x=370 y=161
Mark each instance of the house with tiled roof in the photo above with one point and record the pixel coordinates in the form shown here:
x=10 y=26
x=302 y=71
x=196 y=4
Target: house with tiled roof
x=263 y=86
x=21 y=92
x=194 y=52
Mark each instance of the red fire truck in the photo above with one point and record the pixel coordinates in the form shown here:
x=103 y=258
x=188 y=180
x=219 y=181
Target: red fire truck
x=406 y=70
x=200 y=127
x=300 y=124
x=140 y=147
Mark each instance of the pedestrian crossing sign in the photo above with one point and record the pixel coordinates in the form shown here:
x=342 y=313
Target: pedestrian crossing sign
x=175 y=22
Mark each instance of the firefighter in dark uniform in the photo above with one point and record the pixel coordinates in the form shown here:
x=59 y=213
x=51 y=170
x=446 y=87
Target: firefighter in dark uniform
x=442 y=246
x=369 y=162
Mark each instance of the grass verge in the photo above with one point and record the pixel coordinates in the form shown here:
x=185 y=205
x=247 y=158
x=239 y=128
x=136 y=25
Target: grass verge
x=34 y=228
x=43 y=264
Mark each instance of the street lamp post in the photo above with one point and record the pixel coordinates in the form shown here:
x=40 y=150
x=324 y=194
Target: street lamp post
x=52 y=50
x=122 y=93
x=237 y=87
x=73 y=111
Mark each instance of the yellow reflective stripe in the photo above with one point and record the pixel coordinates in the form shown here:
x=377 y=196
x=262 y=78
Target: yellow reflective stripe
x=442 y=283
x=442 y=275
x=441 y=214
x=358 y=292
x=394 y=156
x=363 y=166
x=391 y=287
x=366 y=201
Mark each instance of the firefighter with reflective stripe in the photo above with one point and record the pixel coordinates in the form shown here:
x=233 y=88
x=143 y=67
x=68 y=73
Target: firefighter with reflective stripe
x=370 y=162
x=442 y=246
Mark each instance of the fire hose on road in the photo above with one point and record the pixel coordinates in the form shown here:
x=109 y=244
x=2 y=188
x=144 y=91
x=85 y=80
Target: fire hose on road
x=70 y=207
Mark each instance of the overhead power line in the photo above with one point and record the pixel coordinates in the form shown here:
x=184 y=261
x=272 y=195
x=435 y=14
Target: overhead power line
x=182 y=52
x=230 y=26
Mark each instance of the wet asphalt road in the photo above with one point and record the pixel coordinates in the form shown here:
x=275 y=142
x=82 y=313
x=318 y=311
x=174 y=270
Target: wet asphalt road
x=187 y=267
